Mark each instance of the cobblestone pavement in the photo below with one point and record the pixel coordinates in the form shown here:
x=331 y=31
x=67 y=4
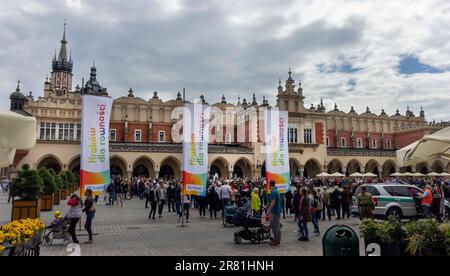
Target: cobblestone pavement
x=128 y=231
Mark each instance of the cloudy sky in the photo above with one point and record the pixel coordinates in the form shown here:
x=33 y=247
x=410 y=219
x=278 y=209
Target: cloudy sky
x=384 y=54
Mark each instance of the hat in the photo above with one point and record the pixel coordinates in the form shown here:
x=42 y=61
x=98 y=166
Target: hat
x=57 y=214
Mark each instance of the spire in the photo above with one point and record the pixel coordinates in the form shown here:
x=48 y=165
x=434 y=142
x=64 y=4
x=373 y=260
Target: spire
x=54 y=56
x=397 y=113
x=254 y=100
x=155 y=95
x=422 y=112
x=63 y=50
x=368 y=110
x=383 y=113
x=352 y=110
x=244 y=103
x=300 y=89
x=18 y=86
x=179 y=96
x=280 y=87
x=70 y=58
x=223 y=100
x=290 y=85
x=312 y=108
x=335 y=107
x=290 y=73
x=130 y=93
x=239 y=100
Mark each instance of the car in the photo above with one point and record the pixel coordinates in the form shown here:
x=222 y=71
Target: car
x=397 y=199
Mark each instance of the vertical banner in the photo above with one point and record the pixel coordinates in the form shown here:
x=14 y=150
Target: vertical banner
x=195 y=148
x=276 y=148
x=94 y=171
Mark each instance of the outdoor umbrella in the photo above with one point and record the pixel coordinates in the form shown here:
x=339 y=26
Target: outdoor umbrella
x=323 y=174
x=408 y=174
x=433 y=174
x=397 y=174
x=356 y=174
x=16 y=132
x=445 y=174
x=436 y=145
x=337 y=174
x=417 y=174
x=369 y=174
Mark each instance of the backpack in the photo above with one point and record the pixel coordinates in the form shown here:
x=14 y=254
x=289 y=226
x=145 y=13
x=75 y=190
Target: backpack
x=315 y=203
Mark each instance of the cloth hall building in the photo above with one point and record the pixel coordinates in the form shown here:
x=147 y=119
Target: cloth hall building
x=144 y=140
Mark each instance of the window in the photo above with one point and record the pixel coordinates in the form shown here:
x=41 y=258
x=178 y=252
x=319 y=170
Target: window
x=112 y=135
x=293 y=135
x=359 y=143
x=78 y=131
x=389 y=144
x=162 y=136
x=137 y=135
x=47 y=131
x=67 y=131
x=374 y=144
x=343 y=142
x=228 y=138
x=370 y=189
x=398 y=191
x=308 y=136
x=327 y=141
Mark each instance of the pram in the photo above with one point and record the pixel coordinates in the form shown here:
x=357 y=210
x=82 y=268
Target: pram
x=57 y=232
x=231 y=214
x=252 y=228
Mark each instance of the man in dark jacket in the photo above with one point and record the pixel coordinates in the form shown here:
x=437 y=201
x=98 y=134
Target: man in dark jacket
x=335 y=199
x=178 y=198
x=171 y=197
x=346 y=199
x=296 y=202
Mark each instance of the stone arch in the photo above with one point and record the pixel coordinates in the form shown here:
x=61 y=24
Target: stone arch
x=74 y=165
x=50 y=161
x=422 y=168
x=437 y=166
x=220 y=166
x=354 y=166
x=312 y=168
x=118 y=166
x=294 y=167
x=389 y=167
x=335 y=165
x=170 y=167
x=448 y=167
x=242 y=168
x=372 y=166
x=143 y=166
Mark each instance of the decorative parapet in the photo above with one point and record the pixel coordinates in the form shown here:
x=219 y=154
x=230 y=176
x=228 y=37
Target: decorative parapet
x=360 y=152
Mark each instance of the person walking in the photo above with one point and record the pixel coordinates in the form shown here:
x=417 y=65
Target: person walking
x=346 y=199
x=365 y=204
x=213 y=201
x=288 y=202
x=326 y=211
x=256 y=203
x=427 y=201
x=275 y=210
x=296 y=202
x=161 y=195
x=171 y=197
x=89 y=209
x=335 y=199
x=153 y=201
x=119 y=193
x=74 y=214
x=186 y=207
x=203 y=205
x=178 y=198
x=304 y=215
x=314 y=209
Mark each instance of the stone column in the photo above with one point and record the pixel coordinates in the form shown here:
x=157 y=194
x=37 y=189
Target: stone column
x=156 y=174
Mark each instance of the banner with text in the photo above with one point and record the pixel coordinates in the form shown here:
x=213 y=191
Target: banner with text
x=94 y=171
x=276 y=148
x=195 y=148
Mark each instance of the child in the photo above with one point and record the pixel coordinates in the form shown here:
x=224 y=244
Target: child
x=57 y=221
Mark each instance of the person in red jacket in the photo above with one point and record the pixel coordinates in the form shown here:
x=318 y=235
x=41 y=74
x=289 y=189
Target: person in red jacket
x=74 y=214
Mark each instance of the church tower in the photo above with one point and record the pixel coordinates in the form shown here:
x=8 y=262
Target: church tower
x=61 y=80
x=289 y=99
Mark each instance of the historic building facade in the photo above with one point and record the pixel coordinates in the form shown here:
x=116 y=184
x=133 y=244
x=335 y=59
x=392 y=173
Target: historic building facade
x=145 y=133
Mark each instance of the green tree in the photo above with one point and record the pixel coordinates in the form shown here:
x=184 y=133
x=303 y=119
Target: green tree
x=28 y=185
x=58 y=181
x=48 y=182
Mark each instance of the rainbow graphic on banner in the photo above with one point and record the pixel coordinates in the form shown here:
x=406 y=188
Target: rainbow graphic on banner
x=94 y=180
x=194 y=184
x=281 y=181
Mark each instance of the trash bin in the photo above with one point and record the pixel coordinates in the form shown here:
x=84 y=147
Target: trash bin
x=340 y=240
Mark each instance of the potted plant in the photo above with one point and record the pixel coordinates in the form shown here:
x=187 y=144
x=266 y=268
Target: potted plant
x=390 y=235
x=27 y=186
x=428 y=238
x=64 y=186
x=49 y=187
x=59 y=186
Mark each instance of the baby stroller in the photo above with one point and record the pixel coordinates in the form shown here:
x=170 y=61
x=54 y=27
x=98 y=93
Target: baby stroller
x=252 y=229
x=231 y=213
x=57 y=232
